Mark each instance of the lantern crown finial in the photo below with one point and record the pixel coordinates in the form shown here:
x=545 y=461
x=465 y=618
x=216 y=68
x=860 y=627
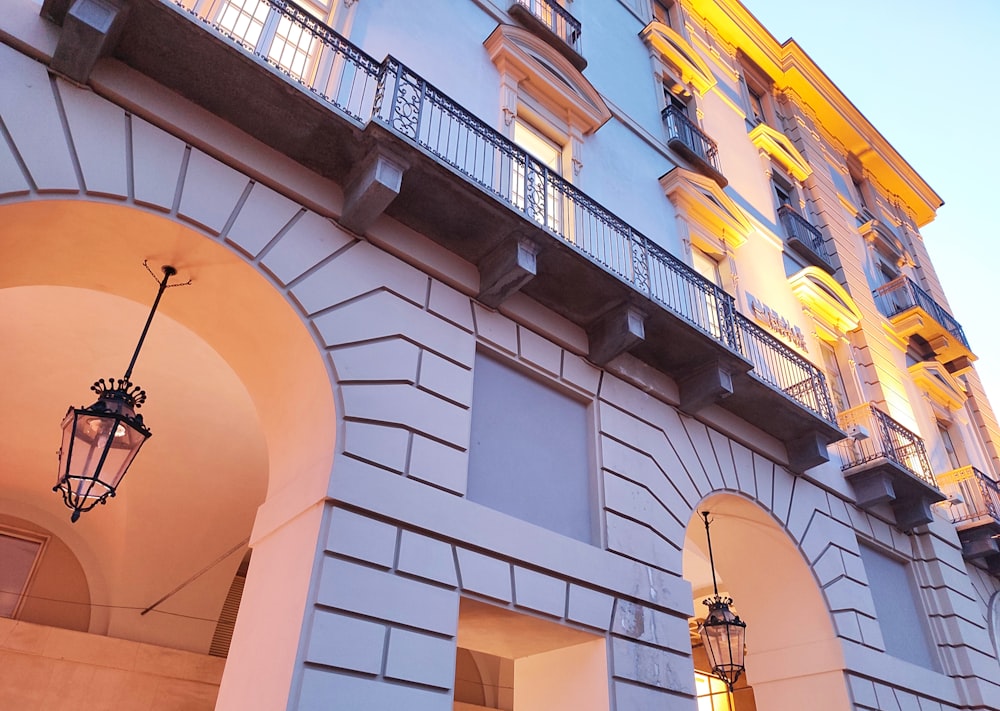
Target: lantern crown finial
x=119 y=389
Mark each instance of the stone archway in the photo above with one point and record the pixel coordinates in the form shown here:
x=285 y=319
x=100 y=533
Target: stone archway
x=240 y=403
x=794 y=658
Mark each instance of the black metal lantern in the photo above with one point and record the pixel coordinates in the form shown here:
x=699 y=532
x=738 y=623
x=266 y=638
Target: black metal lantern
x=722 y=633
x=100 y=442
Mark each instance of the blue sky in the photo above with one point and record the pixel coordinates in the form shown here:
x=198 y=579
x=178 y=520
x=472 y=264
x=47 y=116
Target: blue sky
x=926 y=74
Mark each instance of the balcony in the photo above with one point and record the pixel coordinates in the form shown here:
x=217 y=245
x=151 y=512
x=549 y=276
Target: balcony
x=684 y=137
x=974 y=507
x=804 y=239
x=913 y=312
x=554 y=24
x=337 y=111
x=885 y=463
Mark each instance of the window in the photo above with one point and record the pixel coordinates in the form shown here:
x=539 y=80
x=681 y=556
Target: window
x=757 y=89
x=529 y=181
x=19 y=552
x=785 y=194
x=755 y=100
x=522 y=465
x=944 y=430
x=664 y=12
x=834 y=376
x=706 y=265
x=900 y=613
x=261 y=27
x=712 y=693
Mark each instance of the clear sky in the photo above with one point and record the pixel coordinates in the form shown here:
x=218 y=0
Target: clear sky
x=926 y=74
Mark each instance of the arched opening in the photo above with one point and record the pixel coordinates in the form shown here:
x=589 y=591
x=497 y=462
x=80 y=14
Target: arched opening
x=239 y=403
x=793 y=657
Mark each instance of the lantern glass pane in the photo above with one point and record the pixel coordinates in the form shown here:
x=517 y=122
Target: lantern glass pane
x=97 y=457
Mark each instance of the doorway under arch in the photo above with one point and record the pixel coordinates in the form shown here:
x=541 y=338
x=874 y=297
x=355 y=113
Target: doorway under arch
x=793 y=656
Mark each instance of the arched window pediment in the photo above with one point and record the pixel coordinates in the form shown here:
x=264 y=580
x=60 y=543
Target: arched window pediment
x=941 y=386
x=777 y=145
x=677 y=51
x=827 y=301
x=552 y=78
x=701 y=201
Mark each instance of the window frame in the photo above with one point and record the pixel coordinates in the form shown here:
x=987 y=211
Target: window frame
x=37 y=538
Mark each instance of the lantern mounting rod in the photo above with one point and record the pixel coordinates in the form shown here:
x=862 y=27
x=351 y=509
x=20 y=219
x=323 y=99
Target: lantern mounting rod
x=168 y=271
x=711 y=558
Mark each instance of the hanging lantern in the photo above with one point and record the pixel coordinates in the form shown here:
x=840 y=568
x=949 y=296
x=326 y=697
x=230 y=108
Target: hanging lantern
x=723 y=634
x=100 y=442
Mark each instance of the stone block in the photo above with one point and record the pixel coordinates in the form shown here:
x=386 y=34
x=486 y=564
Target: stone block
x=622 y=426
x=589 y=607
x=698 y=434
x=743 y=464
x=485 y=576
x=651 y=626
x=390 y=360
x=774 y=486
x=652 y=666
x=12 y=179
x=829 y=566
x=427 y=558
x=846 y=624
x=408 y=407
x=451 y=305
x=336 y=640
x=845 y=594
x=98 y=130
x=637 y=697
x=32 y=120
x=309 y=240
x=862 y=691
x=381 y=314
x=579 y=372
x=439 y=464
x=361 y=269
x=357 y=536
x=446 y=379
x=539 y=351
x=386 y=596
x=420 y=658
x=539 y=592
x=495 y=328
x=384 y=446
x=211 y=192
x=263 y=215
x=320 y=687
x=635 y=502
x=641 y=543
x=156 y=164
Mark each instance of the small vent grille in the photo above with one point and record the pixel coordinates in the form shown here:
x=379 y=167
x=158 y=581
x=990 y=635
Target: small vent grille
x=223 y=636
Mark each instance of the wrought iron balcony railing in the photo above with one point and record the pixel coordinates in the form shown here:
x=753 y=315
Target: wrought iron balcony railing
x=556 y=18
x=873 y=435
x=362 y=89
x=798 y=228
x=973 y=495
x=684 y=131
x=901 y=294
x=782 y=368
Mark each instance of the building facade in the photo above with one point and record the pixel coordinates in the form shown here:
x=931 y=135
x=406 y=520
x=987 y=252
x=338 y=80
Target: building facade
x=480 y=306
